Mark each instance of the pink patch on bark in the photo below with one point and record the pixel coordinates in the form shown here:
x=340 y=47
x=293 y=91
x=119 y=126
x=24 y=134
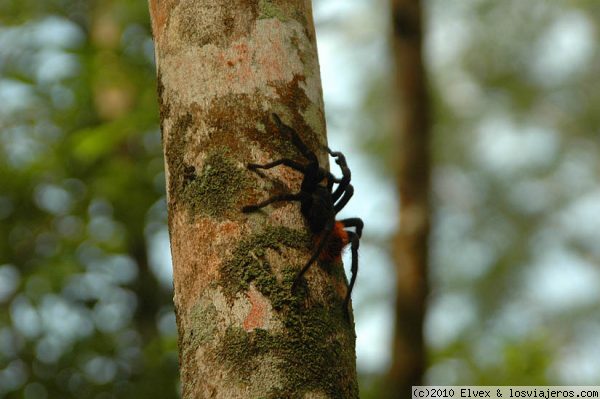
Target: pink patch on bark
x=258 y=312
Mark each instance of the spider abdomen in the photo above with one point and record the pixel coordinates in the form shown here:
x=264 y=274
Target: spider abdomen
x=335 y=245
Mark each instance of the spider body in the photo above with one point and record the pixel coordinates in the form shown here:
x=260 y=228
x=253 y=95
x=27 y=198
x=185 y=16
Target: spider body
x=338 y=240
x=319 y=204
x=317 y=208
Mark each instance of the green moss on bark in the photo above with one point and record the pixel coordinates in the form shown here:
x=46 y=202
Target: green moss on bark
x=249 y=265
x=313 y=355
x=315 y=348
x=269 y=10
x=241 y=350
x=217 y=187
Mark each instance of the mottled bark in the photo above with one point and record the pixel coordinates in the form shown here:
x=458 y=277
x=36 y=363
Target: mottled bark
x=413 y=180
x=223 y=68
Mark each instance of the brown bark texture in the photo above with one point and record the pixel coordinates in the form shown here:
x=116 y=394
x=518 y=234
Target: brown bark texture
x=413 y=181
x=223 y=68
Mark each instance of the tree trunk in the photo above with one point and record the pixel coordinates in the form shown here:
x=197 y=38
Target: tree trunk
x=411 y=241
x=223 y=68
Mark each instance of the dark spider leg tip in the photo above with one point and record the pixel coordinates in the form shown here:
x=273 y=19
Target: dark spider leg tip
x=276 y=118
x=336 y=154
x=249 y=208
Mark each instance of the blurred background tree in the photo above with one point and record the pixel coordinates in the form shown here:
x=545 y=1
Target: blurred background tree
x=514 y=263
x=84 y=271
x=514 y=267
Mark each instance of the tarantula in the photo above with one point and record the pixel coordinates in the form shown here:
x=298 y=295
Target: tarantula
x=319 y=205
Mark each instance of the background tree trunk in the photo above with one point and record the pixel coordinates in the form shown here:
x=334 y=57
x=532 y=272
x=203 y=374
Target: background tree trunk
x=410 y=244
x=223 y=68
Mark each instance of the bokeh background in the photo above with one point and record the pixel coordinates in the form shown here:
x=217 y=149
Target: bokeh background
x=85 y=280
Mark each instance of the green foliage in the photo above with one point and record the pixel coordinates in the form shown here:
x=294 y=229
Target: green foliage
x=82 y=201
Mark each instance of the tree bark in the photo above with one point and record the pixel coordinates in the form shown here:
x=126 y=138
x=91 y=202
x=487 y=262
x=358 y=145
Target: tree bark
x=413 y=181
x=223 y=68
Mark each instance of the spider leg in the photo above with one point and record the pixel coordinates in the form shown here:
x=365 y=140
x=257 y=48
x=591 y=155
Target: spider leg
x=322 y=243
x=275 y=198
x=331 y=179
x=348 y=192
x=340 y=159
x=286 y=162
x=296 y=140
x=354 y=222
x=354 y=242
x=335 y=154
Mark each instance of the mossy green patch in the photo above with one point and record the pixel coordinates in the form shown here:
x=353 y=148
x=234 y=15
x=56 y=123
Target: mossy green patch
x=314 y=355
x=217 y=187
x=267 y=9
x=250 y=265
x=242 y=350
x=315 y=348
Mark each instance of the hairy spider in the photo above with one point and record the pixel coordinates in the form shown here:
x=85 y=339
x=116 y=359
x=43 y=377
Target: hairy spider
x=319 y=205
